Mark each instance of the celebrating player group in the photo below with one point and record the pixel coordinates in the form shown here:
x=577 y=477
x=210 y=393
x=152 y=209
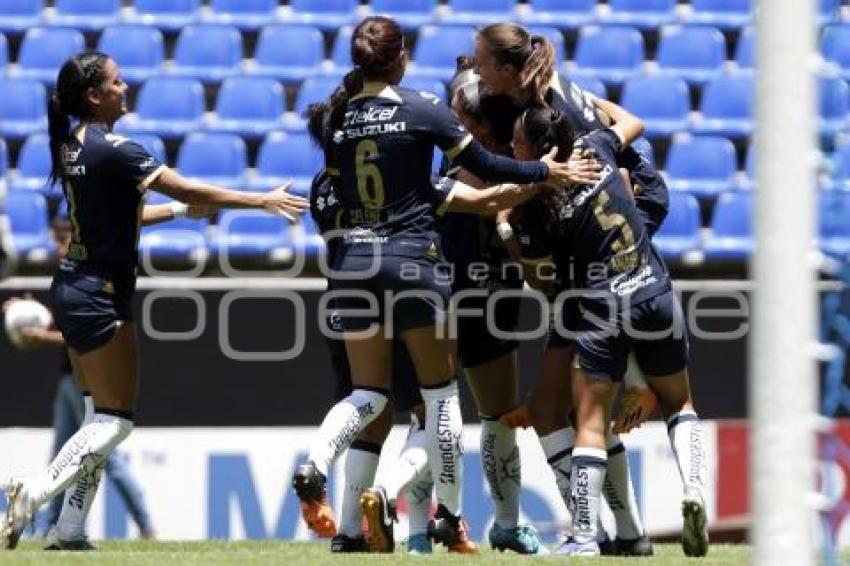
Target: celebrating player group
x=540 y=185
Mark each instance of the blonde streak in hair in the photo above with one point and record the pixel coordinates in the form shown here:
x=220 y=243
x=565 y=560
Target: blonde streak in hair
x=539 y=69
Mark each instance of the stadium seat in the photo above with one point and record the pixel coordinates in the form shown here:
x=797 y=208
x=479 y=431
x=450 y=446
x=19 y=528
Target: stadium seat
x=31 y=239
x=731 y=237
x=695 y=53
x=425 y=84
x=138 y=50
x=478 y=12
x=287 y=157
x=725 y=14
x=4 y=161
x=554 y=35
x=249 y=106
x=244 y=14
x=410 y=14
x=745 y=50
x=591 y=84
x=23 y=107
x=288 y=53
x=834 y=229
x=34 y=167
x=306 y=237
x=253 y=235
x=209 y=53
x=4 y=51
x=835 y=46
x=45 y=49
x=87 y=15
x=829 y=11
x=678 y=239
x=834 y=104
x=727 y=106
x=153 y=144
x=180 y=241
x=437 y=49
x=662 y=101
x=219 y=159
x=704 y=166
x=611 y=54
x=340 y=62
x=326 y=15
x=643 y=14
x=315 y=89
x=168 y=107
x=564 y=14
x=17 y=16
x=166 y=14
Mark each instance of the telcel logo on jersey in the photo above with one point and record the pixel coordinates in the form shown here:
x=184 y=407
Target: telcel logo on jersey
x=369 y=116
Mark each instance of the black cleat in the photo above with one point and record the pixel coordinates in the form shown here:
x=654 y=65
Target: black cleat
x=347 y=545
x=640 y=546
x=694 y=528
x=380 y=515
x=451 y=531
x=310 y=486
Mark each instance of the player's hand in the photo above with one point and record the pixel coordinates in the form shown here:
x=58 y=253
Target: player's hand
x=579 y=169
x=201 y=211
x=517 y=417
x=33 y=337
x=280 y=201
x=8 y=302
x=638 y=405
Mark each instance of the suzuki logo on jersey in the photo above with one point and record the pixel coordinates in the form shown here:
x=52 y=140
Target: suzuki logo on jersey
x=368 y=116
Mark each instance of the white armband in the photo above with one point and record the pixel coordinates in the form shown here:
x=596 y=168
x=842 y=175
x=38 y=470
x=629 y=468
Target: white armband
x=505 y=231
x=179 y=209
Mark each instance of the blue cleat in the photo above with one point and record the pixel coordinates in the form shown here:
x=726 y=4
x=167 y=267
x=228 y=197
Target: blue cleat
x=522 y=539
x=572 y=548
x=419 y=544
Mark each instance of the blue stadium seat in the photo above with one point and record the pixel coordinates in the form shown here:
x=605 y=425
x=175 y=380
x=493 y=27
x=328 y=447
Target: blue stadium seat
x=727 y=106
x=45 y=49
x=168 y=107
x=306 y=237
x=166 y=14
x=23 y=107
x=182 y=240
x=704 y=166
x=725 y=14
x=554 y=35
x=835 y=46
x=834 y=104
x=288 y=53
x=695 y=53
x=643 y=14
x=745 y=51
x=209 y=53
x=437 y=49
x=643 y=147
x=327 y=15
x=138 y=50
x=410 y=14
x=662 y=101
x=340 y=53
x=315 y=89
x=731 y=238
x=253 y=235
x=153 y=144
x=88 y=15
x=220 y=159
x=612 y=54
x=244 y=14
x=478 y=12
x=249 y=106
x=834 y=229
x=4 y=160
x=17 y=16
x=34 y=167
x=4 y=51
x=434 y=86
x=678 y=239
x=829 y=11
x=564 y=14
x=287 y=157
x=591 y=84
x=31 y=239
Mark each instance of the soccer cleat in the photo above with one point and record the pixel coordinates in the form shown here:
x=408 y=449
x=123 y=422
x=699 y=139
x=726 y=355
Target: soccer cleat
x=419 y=544
x=309 y=484
x=694 y=527
x=640 y=546
x=451 y=531
x=78 y=545
x=379 y=516
x=345 y=544
x=572 y=548
x=19 y=512
x=522 y=539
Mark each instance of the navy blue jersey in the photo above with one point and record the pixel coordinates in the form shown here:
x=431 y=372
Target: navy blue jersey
x=595 y=235
x=327 y=210
x=384 y=152
x=104 y=178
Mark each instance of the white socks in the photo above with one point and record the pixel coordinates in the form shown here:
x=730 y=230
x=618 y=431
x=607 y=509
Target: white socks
x=620 y=493
x=444 y=429
x=343 y=423
x=501 y=462
x=588 y=475
x=411 y=464
x=84 y=454
x=419 y=494
x=558 y=448
x=686 y=439
x=360 y=466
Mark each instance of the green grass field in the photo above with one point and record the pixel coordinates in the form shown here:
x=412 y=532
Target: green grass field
x=313 y=553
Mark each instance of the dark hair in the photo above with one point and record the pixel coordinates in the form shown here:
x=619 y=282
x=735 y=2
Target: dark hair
x=498 y=111
x=376 y=44
x=532 y=55
x=544 y=128
x=77 y=75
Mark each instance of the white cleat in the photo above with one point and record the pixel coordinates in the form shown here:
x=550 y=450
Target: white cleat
x=694 y=527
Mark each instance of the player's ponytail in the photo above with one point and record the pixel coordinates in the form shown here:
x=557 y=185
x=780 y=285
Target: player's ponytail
x=58 y=131
x=537 y=71
x=533 y=57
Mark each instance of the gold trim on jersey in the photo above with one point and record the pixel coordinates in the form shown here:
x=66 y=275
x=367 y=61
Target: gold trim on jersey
x=332 y=171
x=378 y=90
x=453 y=152
x=444 y=206
x=80 y=133
x=150 y=178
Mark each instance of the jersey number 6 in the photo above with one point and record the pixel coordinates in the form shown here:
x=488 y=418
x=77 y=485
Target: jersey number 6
x=370 y=184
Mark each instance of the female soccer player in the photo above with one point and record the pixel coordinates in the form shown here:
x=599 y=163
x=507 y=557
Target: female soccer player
x=626 y=302
x=388 y=271
x=104 y=176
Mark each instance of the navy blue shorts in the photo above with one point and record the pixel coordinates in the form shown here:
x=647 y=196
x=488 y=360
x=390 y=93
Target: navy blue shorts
x=563 y=334
x=407 y=292
x=654 y=329
x=476 y=344
x=88 y=304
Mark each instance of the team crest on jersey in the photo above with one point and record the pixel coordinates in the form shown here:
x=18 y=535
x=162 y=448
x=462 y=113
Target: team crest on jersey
x=432 y=250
